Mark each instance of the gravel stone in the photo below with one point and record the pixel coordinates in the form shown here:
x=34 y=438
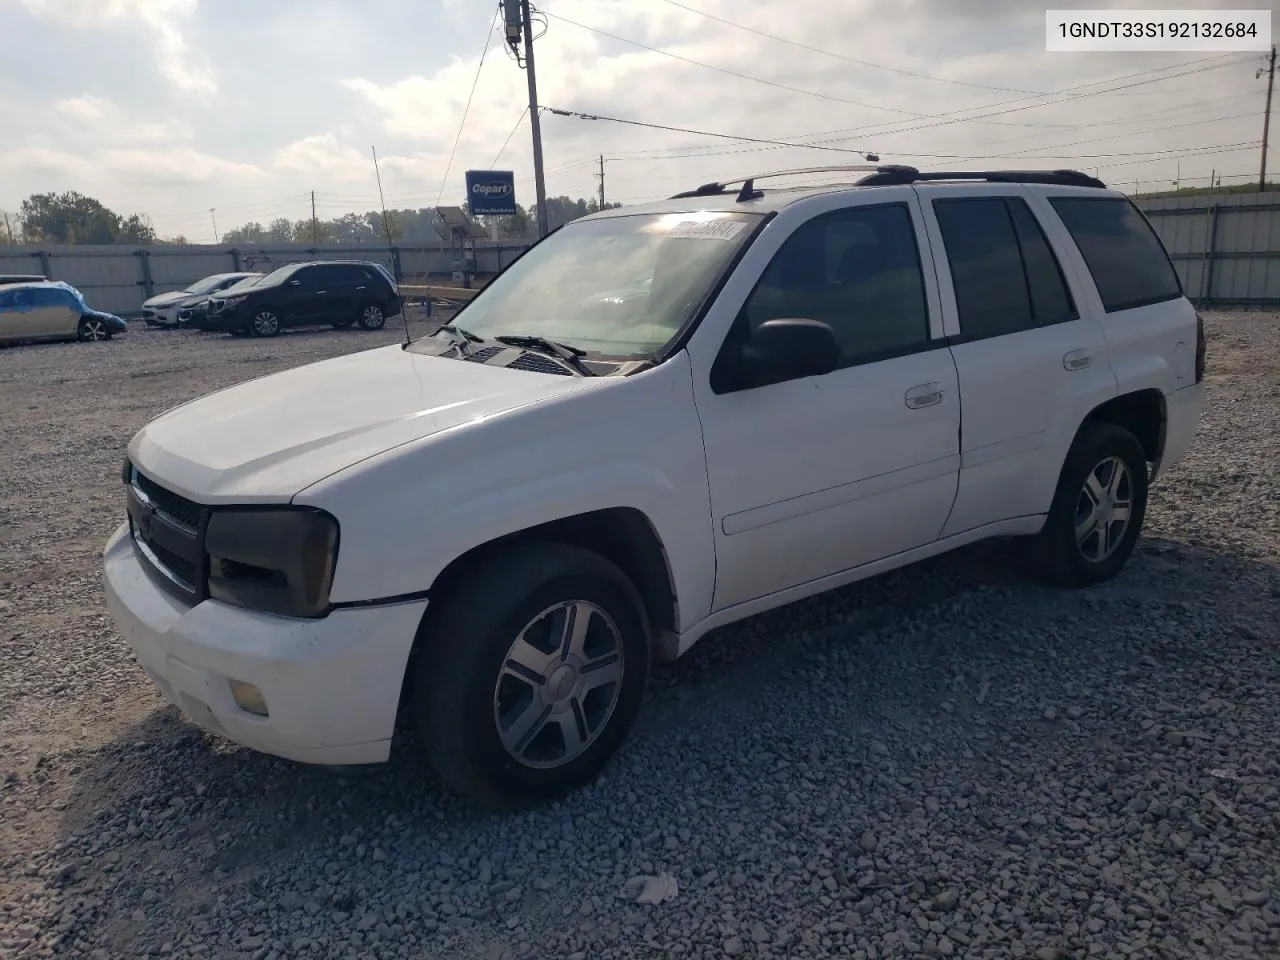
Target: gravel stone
x=797 y=776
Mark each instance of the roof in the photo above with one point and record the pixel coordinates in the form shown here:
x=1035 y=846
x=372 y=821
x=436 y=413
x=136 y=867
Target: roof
x=745 y=196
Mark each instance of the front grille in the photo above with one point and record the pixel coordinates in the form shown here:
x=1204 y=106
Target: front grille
x=168 y=531
x=536 y=363
x=184 y=570
x=175 y=507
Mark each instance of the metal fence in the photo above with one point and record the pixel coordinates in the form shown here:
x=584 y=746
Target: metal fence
x=119 y=278
x=1226 y=247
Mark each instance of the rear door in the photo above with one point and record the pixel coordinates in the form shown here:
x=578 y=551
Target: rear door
x=346 y=285
x=1031 y=366
x=1128 y=283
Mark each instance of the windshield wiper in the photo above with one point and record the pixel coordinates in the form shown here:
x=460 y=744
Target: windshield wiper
x=561 y=351
x=460 y=338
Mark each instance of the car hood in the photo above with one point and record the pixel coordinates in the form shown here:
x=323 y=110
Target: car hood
x=165 y=299
x=268 y=439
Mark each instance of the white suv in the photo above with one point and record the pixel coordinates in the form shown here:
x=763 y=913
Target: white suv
x=492 y=530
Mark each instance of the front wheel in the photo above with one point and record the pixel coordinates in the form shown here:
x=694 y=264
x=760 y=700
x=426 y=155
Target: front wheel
x=372 y=317
x=265 y=323
x=530 y=673
x=92 y=329
x=1098 y=510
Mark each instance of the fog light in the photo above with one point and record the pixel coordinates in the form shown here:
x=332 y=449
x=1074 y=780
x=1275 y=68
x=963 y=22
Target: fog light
x=249 y=698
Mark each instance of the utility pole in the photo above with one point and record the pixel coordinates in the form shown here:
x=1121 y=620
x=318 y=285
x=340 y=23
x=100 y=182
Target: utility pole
x=1266 y=118
x=9 y=230
x=518 y=20
x=601 y=176
x=215 y=224
x=315 y=229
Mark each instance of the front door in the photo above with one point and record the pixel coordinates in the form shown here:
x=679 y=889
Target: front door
x=815 y=476
x=307 y=296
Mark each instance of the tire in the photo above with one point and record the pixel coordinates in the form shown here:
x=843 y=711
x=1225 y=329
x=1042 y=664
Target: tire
x=1105 y=459
x=265 y=322
x=92 y=329
x=503 y=612
x=372 y=316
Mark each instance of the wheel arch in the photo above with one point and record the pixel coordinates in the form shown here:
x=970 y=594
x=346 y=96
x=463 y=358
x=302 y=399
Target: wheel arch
x=623 y=535
x=1144 y=414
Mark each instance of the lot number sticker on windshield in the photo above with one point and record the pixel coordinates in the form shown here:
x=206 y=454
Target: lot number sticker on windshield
x=708 y=229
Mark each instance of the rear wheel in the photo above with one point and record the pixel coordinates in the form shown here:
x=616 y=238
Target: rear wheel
x=265 y=323
x=1098 y=510
x=529 y=674
x=93 y=329
x=372 y=317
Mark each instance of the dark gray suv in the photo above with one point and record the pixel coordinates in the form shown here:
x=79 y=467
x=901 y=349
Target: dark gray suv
x=336 y=293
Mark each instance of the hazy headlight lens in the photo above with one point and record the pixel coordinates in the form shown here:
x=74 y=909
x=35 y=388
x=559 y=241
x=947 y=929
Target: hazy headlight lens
x=273 y=560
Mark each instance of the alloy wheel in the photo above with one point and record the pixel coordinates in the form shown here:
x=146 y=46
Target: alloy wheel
x=1103 y=509
x=559 y=684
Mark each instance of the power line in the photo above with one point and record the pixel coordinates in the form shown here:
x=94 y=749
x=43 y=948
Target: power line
x=1078 y=91
x=467 y=109
x=732 y=73
x=848 y=59
x=503 y=149
x=823 y=144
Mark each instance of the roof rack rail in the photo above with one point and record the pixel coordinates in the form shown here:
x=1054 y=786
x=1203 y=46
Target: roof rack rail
x=887 y=176
x=749 y=192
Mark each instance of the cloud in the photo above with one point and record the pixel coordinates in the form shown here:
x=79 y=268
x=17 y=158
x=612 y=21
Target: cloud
x=324 y=157
x=185 y=68
x=177 y=166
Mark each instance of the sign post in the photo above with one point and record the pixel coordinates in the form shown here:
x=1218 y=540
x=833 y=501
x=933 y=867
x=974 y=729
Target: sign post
x=491 y=193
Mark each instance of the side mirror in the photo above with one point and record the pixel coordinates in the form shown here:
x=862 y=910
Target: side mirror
x=787 y=350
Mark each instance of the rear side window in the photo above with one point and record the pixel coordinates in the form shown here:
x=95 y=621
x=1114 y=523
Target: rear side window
x=1005 y=275
x=1128 y=262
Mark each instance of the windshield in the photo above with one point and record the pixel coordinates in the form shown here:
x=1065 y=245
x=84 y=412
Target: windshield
x=585 y=286
x=276 y=276
x=207 y=285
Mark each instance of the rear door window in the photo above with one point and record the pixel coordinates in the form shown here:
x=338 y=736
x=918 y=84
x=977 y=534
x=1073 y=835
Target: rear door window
x=1129 y=264
x=1004 y=273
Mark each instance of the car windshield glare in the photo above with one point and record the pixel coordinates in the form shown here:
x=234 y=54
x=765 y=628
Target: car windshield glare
x=621 y=286
x=277 y=275
x=206 y=285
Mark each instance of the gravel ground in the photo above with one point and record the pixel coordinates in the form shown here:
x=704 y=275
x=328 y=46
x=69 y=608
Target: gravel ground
x=945 y=761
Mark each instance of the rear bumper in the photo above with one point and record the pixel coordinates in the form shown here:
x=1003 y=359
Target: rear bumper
x=331 y=686
x=1182 y=420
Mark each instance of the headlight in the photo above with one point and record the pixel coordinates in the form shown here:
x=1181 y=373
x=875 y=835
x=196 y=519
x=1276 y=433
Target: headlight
x=274 y=560
x=232 y=301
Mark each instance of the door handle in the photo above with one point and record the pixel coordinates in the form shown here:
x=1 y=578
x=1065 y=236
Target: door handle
x=1077 y=359
x=924 y=395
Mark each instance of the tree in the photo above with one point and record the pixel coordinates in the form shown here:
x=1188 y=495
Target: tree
x=252 y=232
x=280 y=230
x=72 y=217
x=137 y=229
x=68 y=218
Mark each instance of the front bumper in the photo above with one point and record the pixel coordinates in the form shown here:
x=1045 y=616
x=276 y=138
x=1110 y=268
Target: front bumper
x=332 y=686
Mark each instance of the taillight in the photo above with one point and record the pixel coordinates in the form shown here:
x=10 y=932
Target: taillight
x=1199 y=348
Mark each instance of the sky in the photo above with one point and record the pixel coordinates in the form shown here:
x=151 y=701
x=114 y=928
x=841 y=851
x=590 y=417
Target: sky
x=173 y=107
